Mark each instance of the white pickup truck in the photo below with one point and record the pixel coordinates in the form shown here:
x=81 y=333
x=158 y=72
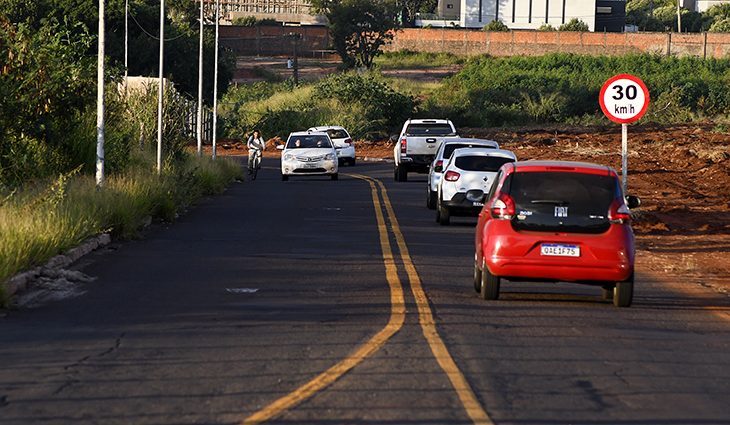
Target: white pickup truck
x=417 y=144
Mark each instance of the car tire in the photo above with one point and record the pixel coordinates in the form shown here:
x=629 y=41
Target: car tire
x=352 y=162
x=623 y=294
x=334 y=176
x=444 y=215
x=430 y=199
x=477 y=277
x=489 y=289
x=402 y=174
x=284 y=177
x=607 y=292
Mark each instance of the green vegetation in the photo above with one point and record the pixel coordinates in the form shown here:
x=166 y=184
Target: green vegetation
x=251 y=21
x=574 y=24
x=564 y=88
x=661 y=15
x=496 y=25
x=41 y=221
x=546 y=27
x=406 y=59
x=365 y=104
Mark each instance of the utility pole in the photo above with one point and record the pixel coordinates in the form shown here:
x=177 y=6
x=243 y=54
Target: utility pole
x=100 y=101
x=126 y=44
x=679 y=17
x=200 y=86
x=161 y=88
x=295 y=38
x=215 y=80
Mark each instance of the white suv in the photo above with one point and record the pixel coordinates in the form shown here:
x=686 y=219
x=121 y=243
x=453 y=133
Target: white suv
x=308 y=153
x=467 y=178
x=342 y=140
x=442 y=155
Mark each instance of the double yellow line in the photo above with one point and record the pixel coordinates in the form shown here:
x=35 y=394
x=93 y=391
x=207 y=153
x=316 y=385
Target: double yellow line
x=397 y=316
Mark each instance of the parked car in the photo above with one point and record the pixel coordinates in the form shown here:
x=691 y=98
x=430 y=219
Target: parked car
x=308 y=153
x=443 y=153
x=417 y=144
x=343 y=142
x=467 y=178
x=556 y=221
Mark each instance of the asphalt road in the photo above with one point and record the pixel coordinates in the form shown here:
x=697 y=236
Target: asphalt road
x=304 y=302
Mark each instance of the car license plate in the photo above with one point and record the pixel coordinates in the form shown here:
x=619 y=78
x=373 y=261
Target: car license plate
x=478 y=204
x=311 y=165
x=558 y=250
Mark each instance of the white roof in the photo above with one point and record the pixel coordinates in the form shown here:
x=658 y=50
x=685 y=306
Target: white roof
x=471 y=140
x=502 y=153
x=327 y=127
x=429 y=121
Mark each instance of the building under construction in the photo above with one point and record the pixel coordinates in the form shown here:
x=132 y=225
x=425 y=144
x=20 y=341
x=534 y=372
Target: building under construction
x=292 y=12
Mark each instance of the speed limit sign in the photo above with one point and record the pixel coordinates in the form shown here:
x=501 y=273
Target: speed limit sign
x=624 y=98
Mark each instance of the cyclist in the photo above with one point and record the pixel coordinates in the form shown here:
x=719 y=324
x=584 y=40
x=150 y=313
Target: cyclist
x=256 y=146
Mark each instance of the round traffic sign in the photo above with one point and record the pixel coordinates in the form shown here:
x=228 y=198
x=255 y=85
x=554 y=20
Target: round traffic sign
x=624 y=98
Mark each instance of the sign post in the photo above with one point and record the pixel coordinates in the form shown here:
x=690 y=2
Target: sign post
x=624 y=99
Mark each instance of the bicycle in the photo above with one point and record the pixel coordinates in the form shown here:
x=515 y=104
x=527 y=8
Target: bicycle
x=256 y=164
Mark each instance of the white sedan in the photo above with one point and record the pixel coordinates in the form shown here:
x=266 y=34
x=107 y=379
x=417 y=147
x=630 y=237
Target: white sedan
x=308 y=153
x=342 y=141
x=466 y=179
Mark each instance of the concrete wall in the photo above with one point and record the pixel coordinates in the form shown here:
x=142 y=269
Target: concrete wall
x=534 y=43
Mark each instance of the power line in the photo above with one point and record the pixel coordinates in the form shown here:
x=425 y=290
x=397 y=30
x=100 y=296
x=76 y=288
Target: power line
x=150 y=35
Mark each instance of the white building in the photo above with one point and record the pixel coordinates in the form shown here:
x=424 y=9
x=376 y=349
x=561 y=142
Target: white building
x=516 y=14
x=703 y=5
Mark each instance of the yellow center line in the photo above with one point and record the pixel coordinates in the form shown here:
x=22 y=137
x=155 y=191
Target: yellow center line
x=425 y=317
x=395 y=322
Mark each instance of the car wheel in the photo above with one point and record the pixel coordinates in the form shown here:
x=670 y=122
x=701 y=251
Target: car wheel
x=402 y=174
x=607 y=292
x=490 y=284
x=396 y=173
x=430 y=199
x=334 y=176
x=284 y=177
x=352 y=161
x=444 y=215
x=477 y=277
x=623 y=293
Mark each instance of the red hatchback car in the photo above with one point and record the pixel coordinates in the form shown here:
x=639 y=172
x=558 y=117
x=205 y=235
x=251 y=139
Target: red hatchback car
x=556 y=221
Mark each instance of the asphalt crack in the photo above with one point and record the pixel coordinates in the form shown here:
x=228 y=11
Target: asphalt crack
x=71 y=371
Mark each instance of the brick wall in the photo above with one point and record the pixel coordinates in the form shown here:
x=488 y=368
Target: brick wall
x=535 y=43
x=272 y=40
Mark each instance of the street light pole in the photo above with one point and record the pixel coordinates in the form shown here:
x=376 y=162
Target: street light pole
x=126 y=44
x=679 y=17
x=215 y=80
x=100 y=100
x=200 y=86
x=161 y=88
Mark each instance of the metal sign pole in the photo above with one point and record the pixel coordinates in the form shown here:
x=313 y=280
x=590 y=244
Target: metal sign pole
x=161 y=88
x=624 y=156
x=199 y=120
x=100 y=109
x=215 y=81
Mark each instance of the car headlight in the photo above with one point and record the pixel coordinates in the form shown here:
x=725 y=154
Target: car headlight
x=329 y=157
x=289 y=157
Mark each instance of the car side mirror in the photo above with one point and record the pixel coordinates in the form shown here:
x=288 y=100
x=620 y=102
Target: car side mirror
x=633 y=201
x=438 y=168
x=393 y=138
x=280 y=147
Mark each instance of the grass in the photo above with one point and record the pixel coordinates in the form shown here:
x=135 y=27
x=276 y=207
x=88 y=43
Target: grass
x=415 y=88
x=42 y=221
x=406 y=59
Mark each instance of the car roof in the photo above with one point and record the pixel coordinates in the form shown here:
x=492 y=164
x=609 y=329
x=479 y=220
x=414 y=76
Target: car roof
x=327 y=127
x=307 y=133
x=429 y=121
x=469 y=140
x=502 y=153
x=562 y=166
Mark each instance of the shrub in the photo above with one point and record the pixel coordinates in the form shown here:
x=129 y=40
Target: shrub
x=722 y=25
x=574 y=24
x=496 y=25
x=546 y=27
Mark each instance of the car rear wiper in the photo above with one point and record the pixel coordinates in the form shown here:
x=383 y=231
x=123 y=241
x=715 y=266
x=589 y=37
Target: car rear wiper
x=549 y=201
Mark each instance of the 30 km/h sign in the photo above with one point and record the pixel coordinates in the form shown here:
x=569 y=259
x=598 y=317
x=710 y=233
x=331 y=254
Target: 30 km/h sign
x=624 y=98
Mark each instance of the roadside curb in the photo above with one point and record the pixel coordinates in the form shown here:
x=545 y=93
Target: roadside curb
x=20 y=281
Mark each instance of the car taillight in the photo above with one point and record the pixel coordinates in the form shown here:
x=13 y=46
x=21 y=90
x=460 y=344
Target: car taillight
x=619 y=213
x=439 y=163
x=348 y=141
x=403 y=145
x=503 y=207
x=452 y=176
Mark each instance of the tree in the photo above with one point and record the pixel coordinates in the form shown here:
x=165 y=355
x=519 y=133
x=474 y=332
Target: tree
x=574 y=24
x=546 y=28
x=410 y=8
x=496 y=25
x=359 y=28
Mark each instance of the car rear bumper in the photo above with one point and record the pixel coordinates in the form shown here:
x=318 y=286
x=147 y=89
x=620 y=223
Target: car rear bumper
x=460 y=205
x=606 y=257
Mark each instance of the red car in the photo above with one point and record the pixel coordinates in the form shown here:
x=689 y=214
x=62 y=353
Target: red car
x=556 y=221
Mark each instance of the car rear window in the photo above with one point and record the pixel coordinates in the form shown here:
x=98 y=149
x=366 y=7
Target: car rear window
x=429 y=130
x=561 y=201
x=337 y=134
x=451 y=147
x=481 y=162
x=308 y=141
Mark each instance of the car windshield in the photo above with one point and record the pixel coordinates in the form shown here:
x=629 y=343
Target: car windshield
x=451 y=147
x=337 y=133
x=429 y=130
x=308 y=141
x=561 y=201
x=481 y=162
